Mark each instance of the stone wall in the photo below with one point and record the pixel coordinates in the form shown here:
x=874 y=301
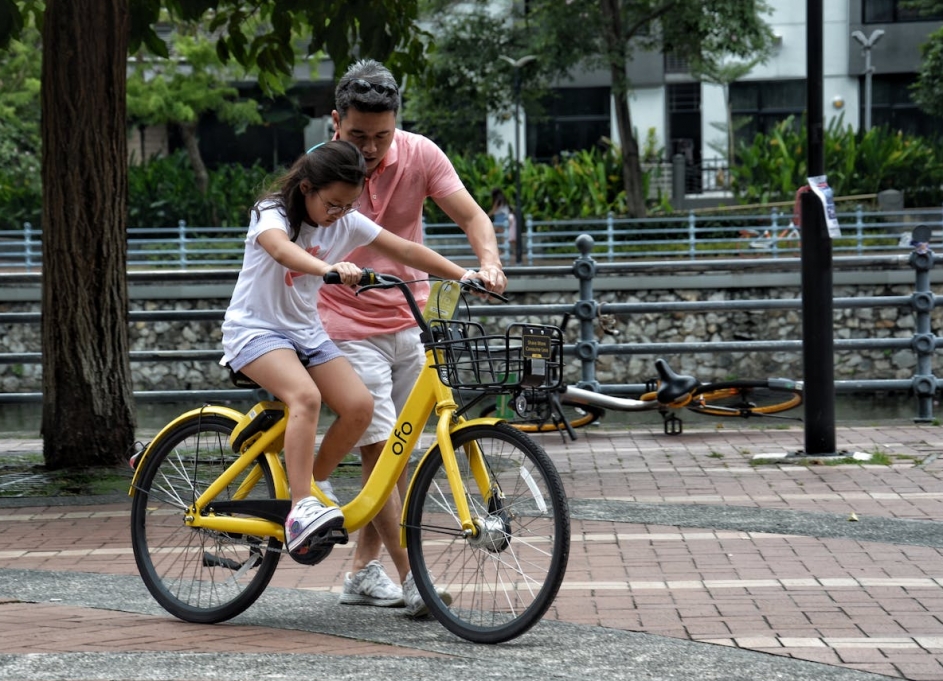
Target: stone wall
x=637 y=328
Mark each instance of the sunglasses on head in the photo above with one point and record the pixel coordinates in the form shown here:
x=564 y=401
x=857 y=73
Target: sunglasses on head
x=362 y=87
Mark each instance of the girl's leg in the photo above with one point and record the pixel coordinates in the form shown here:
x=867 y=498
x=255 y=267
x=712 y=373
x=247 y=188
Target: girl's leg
x=282 y=374
x=350 y=400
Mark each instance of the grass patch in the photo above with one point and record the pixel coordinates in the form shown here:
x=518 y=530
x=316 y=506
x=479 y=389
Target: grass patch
x=22 y=477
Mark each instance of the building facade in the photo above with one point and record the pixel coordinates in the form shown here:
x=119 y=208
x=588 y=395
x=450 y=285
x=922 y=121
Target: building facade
x=675 y=114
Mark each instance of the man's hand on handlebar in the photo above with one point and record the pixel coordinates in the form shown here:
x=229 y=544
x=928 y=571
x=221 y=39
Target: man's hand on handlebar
x=492 y=276
x=476 y=284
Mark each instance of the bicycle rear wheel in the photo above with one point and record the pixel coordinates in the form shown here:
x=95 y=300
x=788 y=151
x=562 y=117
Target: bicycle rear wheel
x=746 y=398
x=545 y=418
x=198 y=575
x=503 y=580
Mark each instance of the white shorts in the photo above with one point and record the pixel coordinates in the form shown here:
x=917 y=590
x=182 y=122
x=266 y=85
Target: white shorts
x=389 y=366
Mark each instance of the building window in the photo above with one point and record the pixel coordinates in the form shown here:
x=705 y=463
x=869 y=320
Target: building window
x=892 y=106
x=893 y=11
x=574 y=119
x=761 y=105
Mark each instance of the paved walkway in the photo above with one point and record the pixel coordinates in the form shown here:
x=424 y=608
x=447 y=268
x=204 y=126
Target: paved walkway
x=689 y=560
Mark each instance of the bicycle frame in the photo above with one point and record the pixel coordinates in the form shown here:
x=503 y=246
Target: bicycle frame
x=428 y=395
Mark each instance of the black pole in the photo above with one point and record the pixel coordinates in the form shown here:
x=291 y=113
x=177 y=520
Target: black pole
x=817 y=320
x=518 y=217
x=814 y=88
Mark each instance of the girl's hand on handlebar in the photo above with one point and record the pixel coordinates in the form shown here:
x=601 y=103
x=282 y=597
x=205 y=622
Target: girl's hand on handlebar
x=348 y=273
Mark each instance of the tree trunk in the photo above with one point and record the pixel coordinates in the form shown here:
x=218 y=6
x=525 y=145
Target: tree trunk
x=192 y=144
x=617 y=57
x=88 y=403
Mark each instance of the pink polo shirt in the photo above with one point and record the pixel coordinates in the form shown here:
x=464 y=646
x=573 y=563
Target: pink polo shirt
x=413 y=169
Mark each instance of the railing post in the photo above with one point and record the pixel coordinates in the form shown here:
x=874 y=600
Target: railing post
x=924 y=342
x=859 y=228
x=28 y=245
x=529 y=222
x=611 y=236
x=182 y=240
x=587 y=350
x=774 y=232
x=692 y=235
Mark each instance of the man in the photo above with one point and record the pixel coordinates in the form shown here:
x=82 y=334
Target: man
x=375 y=331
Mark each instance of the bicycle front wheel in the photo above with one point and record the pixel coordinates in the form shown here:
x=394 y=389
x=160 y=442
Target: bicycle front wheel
x=503 y=579
x=196 y=574
x=746 y=398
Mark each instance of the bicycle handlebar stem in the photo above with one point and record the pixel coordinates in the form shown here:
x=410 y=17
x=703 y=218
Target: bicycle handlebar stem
x=370 y=280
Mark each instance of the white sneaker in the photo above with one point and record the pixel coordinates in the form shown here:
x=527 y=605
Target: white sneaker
x=328 y=490
x=415 y=606
x=308 y=521
x=372 y=586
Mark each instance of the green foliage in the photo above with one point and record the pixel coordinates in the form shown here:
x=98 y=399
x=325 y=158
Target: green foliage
x=464 y=80
x=20 y=155
x=928 y=88
x=773 y=166
x=581 y=185
x=161 y=193
x=192 y=83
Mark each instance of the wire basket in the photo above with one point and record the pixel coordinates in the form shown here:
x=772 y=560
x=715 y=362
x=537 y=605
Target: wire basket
x=527 y=355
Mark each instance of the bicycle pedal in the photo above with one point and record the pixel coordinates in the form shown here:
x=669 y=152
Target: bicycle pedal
x=319 y=545
x=673 y=425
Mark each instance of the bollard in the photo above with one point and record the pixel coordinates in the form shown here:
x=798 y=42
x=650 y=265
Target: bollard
x=584 y=268
x=924 y=342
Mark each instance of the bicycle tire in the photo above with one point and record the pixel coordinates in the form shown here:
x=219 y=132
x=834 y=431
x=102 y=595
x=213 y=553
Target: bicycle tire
x=746 y=397
x=577 y=415
x=195 y=574
x=502 y=581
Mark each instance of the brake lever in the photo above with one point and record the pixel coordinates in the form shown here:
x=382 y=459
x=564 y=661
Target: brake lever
x=475 y=287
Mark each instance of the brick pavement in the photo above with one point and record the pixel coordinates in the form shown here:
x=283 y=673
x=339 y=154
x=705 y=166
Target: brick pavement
x=682 y=537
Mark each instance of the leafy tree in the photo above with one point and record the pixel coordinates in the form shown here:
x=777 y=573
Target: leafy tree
x=19 y=130
x=88 y=408
x=605 y=34
x=180 y=90
x=464 y=81
x=928 y=88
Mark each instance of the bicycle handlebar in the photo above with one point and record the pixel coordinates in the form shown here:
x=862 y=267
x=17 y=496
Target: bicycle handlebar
x=370 y=280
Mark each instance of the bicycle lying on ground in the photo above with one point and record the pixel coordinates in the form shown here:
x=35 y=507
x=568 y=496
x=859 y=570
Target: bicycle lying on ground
x=571 y=407
x=485 y=515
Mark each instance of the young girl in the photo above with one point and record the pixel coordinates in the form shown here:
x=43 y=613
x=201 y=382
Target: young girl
x=272 y=332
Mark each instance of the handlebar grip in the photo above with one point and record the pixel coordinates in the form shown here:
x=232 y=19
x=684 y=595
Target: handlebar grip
x=368 y=277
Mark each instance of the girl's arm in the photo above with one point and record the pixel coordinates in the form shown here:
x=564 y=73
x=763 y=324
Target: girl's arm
x=289 y=254
x=416 y=255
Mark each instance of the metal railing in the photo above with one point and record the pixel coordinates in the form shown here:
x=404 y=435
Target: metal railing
x=693 y=236
x=923 y=343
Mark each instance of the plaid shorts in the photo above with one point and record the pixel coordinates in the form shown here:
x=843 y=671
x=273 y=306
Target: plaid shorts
x=270 y=340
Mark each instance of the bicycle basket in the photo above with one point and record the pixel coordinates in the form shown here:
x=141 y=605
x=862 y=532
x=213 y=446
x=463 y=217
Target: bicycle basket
x=527 y=355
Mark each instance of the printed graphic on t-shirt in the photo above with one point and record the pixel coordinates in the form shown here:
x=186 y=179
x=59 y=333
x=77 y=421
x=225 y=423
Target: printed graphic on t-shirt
x=291 y=274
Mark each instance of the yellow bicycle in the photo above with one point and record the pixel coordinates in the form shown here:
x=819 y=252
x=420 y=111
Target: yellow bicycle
x=485 y=515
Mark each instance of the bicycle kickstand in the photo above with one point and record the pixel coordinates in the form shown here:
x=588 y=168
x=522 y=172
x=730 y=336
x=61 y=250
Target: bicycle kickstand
x=560 y=418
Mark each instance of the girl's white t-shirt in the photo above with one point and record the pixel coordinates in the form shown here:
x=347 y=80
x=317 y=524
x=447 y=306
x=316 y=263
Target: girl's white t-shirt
x=270 y=297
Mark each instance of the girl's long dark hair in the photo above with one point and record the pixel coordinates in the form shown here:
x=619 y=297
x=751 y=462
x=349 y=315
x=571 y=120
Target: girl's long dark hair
x=335 y=161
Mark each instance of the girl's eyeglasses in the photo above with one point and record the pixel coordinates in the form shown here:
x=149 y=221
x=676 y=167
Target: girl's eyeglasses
x=335 y=211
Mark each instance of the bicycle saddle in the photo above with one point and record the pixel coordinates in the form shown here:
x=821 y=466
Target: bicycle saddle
x=673 y=386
